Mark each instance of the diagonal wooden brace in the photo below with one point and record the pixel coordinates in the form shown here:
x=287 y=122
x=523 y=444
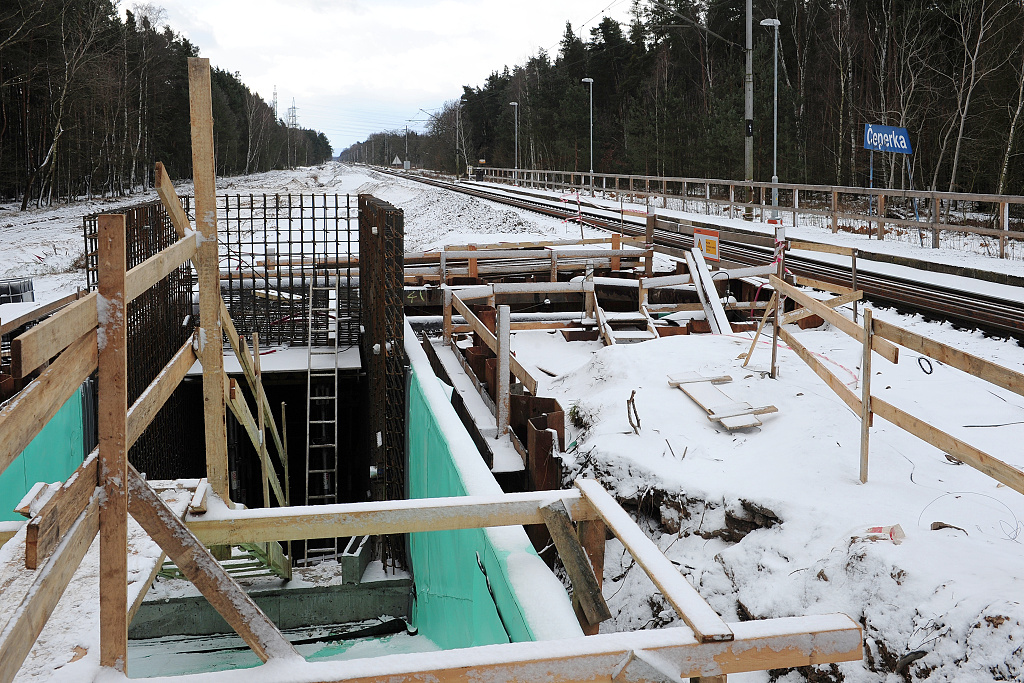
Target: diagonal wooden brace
x=585 y=587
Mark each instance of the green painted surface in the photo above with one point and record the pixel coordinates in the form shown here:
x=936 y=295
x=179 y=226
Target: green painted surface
x=52 y=456
x=453 y=606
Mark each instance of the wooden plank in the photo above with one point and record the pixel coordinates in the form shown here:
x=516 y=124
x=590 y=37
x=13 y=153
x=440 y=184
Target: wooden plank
x=592 y=536
x=820 y=247
x=198 y=503
x=844 y=392
x=665 y=281
x=715 y=311
x=716 y=414
x=44 y=341
x=38 y=402
x=382 y=517
x=499 y=288
x=157 y=267
x=36 y=314
x=48 y=338
x=492 y=343
x=198 y=565
x=159 y=390
x=112 y=409
x=961 y=360
x=39 y=491
x=835 y=302
x=25 y=625
x=759 y=645
x=172 y=205
x=56 y=517
x=751 y=271
x=706 y=624
x=688 y=377
x=865 y=397
x=210 y=345
x=760 y=326
x=976 y=458
x=261 y=424
x=245 y=362
x=585 y=587
x=240 y=409
x=822 y=285
x=883 y=348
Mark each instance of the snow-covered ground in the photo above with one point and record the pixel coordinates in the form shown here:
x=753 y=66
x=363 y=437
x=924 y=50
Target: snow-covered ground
x=766 y=522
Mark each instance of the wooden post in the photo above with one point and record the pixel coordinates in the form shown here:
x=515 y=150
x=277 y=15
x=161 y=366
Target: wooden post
x=112 y=402
x=211 y=346
x=473 y=272
x=442 y=268
x=835 y=212
x=775 y=322
x=553 y=275
x=865 y=397
x=732 y=198
x=264 y=456
x=501 y=396
x=616 y=245
x=1004 y=225
x=447 y=296
x=881 y=216
x=652 y=222
x=853 y=280
x=590 y=297
x=934 y=213
x=592 y=536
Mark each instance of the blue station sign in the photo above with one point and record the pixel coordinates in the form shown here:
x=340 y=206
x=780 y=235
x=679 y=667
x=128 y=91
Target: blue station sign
x=886 y=139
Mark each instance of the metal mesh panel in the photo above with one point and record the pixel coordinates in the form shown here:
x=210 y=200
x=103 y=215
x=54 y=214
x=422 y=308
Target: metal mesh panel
x=381 y=270
x=159 y=322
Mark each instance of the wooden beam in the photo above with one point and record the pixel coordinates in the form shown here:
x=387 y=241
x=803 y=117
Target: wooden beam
x=835 y=302
x=822 y=285
x=198 y=565
x=383 y=517
x=835 y=384
x=492 y=343
x=112 y=408
x=499 y=288
x=764 y=319
x=159 y=390
x=715 y=312
x=210 y=346
x=25 y=625
x=865 y=397
x=585 y=587
x=37 y=313
x=261 y=431
x=879 y=345
x=48 y=338
x=999 y=375
x=824 y=248
x=759 y=645
x=689 y=605
x=172 y=205
x=57 y=516
x=592 y=536
x=976 y=458
x=21 y=420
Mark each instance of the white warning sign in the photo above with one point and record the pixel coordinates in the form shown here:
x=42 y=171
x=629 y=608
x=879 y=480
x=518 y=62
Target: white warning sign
x=707 y=242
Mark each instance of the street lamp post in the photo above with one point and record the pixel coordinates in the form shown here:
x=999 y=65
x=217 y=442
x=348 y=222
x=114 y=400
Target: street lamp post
x=775 y=143
x=515 y=174
x=591 y=82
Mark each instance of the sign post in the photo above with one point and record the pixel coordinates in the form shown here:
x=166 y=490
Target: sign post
x=887 y=139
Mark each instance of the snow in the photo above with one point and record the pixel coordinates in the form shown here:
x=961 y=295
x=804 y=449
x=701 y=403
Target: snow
x=694 y=488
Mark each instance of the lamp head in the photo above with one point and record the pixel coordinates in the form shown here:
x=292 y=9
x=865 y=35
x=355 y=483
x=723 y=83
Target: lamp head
x=587 y=80
x=514 y=104
x=770 y=22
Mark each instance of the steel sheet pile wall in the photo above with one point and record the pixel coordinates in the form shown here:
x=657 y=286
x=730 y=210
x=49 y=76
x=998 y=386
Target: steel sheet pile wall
x=381 y=285
x=159 y=322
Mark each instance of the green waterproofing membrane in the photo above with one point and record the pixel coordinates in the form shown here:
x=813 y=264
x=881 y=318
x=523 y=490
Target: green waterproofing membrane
x=453 y=606
x=53 y=455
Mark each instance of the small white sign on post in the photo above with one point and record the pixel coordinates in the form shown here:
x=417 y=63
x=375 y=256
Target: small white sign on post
x=707 y=242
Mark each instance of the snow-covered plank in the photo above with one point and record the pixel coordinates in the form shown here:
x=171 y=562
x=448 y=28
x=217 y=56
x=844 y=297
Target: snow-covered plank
x=707 y=293
x=492 y=343
x=738 y=409
x=27 y=621
x=688 y=377
x=57 y=515
x=585 y=587
x=706 y=624
x=221 y=526
x=198 y=565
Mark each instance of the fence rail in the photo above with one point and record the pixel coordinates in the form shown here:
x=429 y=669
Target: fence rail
x=877 y=211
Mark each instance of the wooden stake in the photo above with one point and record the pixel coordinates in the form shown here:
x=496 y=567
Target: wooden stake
x=264 y=456
x=472 y=262
x=616 y=244
x=447 y=296
x=211 y=353
x=768 y=311
x=502 y=399
x=112 y=404
x=865 y=397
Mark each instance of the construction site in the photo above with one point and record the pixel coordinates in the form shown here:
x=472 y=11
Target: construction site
x=272 y=442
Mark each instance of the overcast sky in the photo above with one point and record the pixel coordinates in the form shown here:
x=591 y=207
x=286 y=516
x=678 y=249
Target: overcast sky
x=359 y=66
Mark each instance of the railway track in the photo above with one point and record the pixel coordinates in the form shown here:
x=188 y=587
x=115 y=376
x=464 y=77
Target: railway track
x=990 y=314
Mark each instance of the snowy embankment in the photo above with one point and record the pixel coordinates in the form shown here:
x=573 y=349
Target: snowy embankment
x=768 y=522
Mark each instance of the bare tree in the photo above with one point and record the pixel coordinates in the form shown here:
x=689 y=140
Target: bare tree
x=1014 y=122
